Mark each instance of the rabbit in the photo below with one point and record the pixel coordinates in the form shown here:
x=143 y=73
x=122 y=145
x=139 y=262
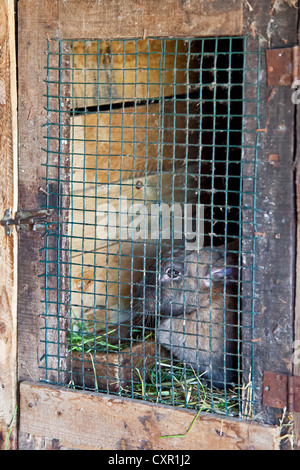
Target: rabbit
x=192 y=298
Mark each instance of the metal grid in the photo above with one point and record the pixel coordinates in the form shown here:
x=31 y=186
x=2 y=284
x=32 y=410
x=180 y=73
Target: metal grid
x=133 y=124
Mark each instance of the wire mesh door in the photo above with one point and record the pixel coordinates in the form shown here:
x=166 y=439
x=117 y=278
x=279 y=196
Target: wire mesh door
x=151 y=164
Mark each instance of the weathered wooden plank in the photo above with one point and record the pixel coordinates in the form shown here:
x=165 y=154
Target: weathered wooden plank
x=296 y=356
x=8 y=245
x=274 y=218
x=112 y=372
x=171 y=18
x=33 y=22
x=114 y=146
x=112 y=19
x=112 y=71
x=51 y=413
x=296 y=362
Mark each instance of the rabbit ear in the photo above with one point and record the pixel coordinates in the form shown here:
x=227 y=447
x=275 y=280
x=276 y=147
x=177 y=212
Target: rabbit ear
x=221 y=273
x=218 y=272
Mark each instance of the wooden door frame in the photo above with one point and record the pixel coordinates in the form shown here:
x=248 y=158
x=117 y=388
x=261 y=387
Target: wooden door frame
x=38 y=22
x=8 y=245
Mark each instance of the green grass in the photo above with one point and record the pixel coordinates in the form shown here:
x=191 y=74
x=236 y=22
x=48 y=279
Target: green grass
x=167 y=382
x=180 y=386
x=87 y=343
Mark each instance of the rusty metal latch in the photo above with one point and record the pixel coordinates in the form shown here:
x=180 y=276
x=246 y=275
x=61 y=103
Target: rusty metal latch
x=29 y=220
x=281 y=391
x=283 y=66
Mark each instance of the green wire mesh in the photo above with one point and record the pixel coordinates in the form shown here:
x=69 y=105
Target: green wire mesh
x=132 y=124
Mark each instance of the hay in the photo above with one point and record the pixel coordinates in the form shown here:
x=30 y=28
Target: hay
x=169 y=382
x=180 y=386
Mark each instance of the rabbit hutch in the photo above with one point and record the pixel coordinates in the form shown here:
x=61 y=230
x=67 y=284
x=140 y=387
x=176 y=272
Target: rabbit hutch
x=149 y=185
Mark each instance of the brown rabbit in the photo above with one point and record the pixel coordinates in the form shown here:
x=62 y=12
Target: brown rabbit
x=191 y=297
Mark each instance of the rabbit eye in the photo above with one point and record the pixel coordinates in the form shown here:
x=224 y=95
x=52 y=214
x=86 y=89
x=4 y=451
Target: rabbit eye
x=173 y=273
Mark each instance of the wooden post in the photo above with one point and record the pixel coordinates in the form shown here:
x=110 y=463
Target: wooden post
x=61 y=419
x=8 y=244
x=296 y=369
x=296 y=356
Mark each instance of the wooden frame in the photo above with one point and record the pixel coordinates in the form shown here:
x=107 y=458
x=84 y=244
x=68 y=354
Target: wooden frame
x=128 y=424
x=39 y=21
x=8 y=245
x=296 y=365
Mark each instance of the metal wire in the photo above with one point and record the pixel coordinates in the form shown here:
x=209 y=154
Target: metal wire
x=160 y=121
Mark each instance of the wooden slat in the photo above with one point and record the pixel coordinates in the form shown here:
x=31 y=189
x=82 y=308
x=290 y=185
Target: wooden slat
x=8 y=245
x=111 y=19
x=117 y=145
x=32 y=44
x=51 y=416
x=109 y=72
x=113 y=372
x=274 y=228
x=296 y=362
x=170 y=18
x=33 y=21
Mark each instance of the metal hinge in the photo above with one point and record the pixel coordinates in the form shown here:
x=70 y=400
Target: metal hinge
x=281 y=391
x=283 y=66
x=29 y=220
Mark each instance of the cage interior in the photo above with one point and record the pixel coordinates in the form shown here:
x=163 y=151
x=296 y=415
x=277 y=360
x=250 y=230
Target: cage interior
x=145 y=278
